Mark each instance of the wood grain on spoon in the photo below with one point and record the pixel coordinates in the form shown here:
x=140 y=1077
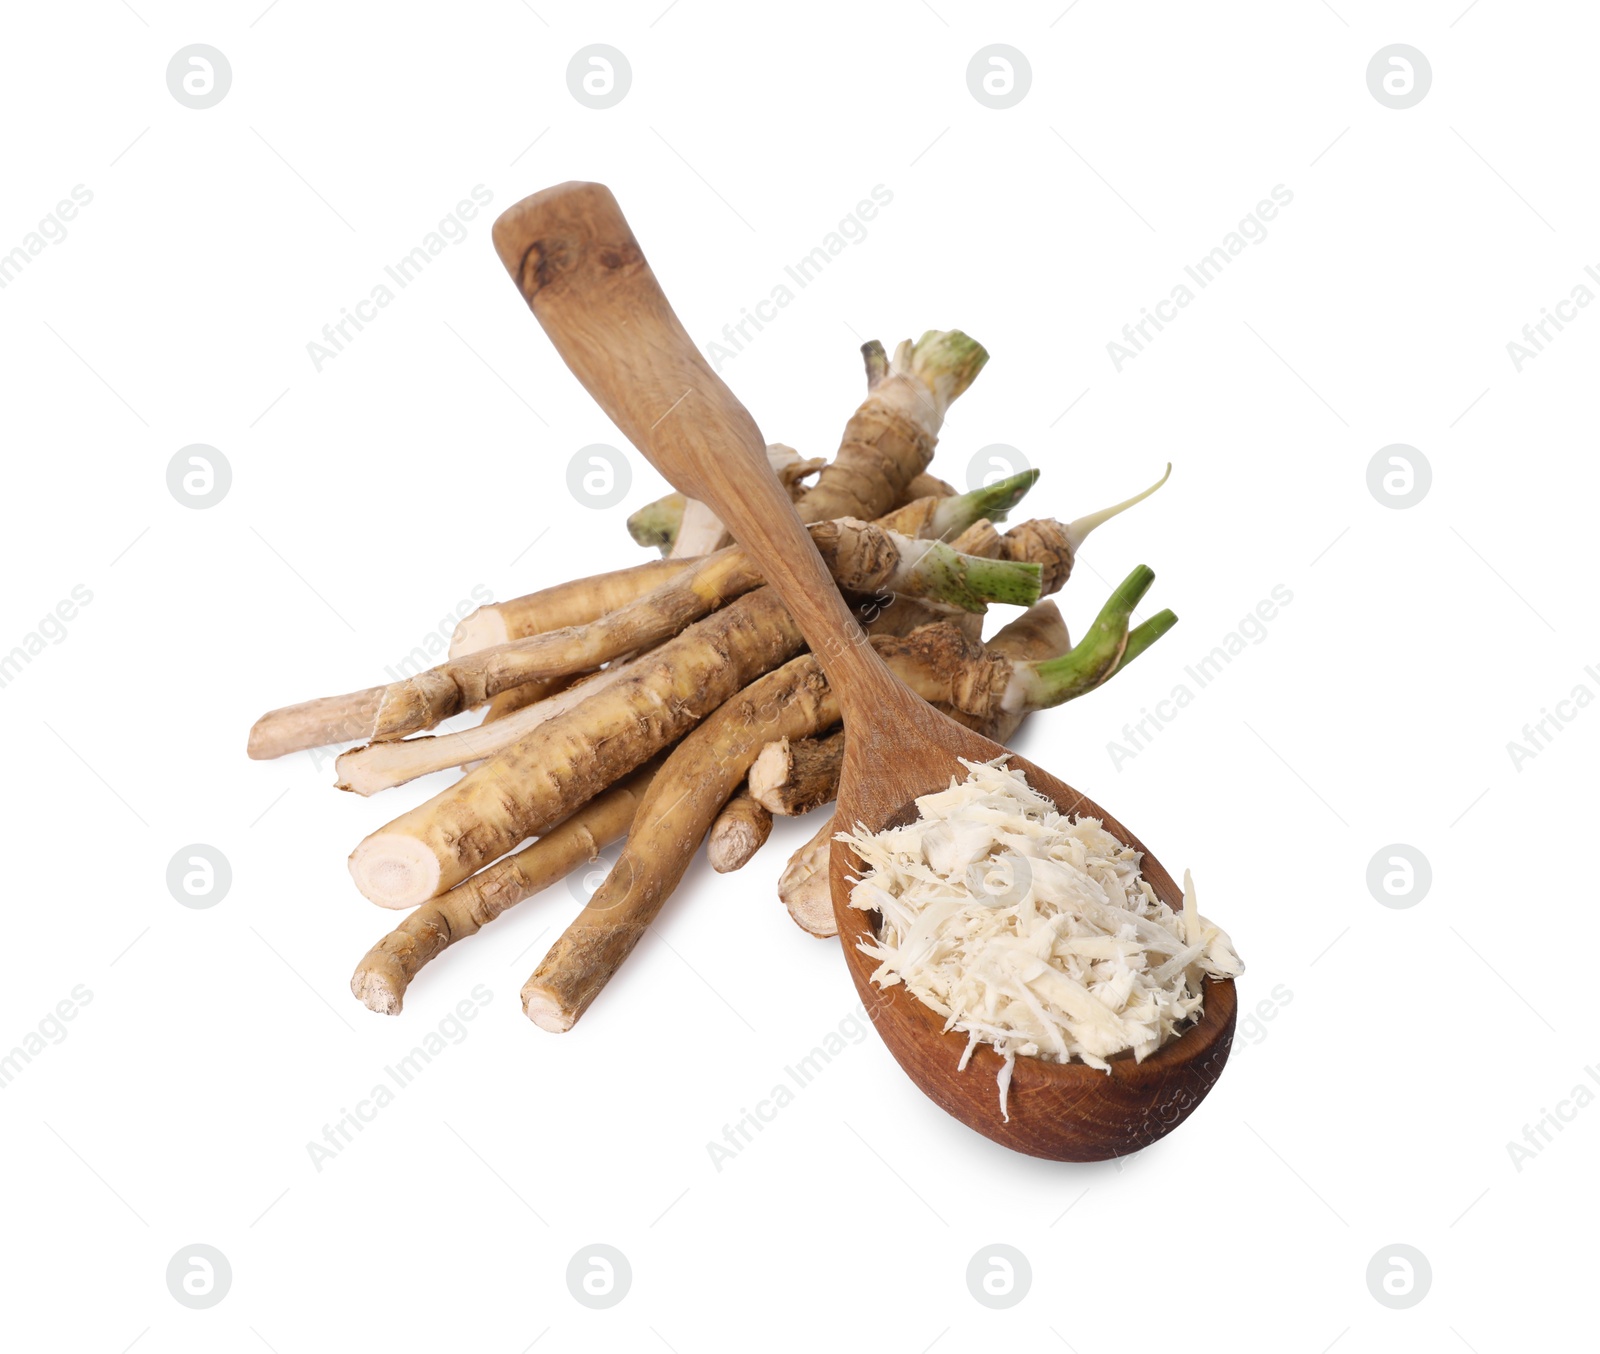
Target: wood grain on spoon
x=575 y=259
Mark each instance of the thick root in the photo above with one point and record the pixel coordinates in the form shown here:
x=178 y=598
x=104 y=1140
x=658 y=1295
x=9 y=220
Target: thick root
x=1044 y=542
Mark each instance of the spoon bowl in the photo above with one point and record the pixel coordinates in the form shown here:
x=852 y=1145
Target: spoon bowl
x=573 y=256
x=1060 y=1111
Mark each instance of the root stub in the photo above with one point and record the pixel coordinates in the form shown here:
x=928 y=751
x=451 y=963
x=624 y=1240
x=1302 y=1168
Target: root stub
x=794 y=778
x=378 y=990
x=741 y=830
x=803 y=885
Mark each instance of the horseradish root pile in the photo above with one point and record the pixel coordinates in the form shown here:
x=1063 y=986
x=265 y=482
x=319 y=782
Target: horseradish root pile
x=671 y=702
x=1030 y=931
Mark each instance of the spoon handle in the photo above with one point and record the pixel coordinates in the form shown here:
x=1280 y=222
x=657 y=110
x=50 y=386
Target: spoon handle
x=573 y=256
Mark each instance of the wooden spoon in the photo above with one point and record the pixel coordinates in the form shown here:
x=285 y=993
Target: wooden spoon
x=577 y=264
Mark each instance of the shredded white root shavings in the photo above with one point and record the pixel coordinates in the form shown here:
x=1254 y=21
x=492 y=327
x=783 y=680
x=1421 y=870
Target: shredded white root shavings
x=1029 y=931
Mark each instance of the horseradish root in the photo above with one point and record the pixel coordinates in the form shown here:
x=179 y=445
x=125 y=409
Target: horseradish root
x=889 y=440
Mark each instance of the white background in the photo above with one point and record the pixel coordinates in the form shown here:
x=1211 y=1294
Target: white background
x=369 y=498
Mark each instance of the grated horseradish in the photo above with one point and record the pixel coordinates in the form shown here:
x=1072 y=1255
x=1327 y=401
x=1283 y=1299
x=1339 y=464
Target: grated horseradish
x=1030 y=931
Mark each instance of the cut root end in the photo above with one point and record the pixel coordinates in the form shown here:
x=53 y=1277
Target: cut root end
x=377 y=991
x=542 y=1007
x=394 y=870
x=483 y=629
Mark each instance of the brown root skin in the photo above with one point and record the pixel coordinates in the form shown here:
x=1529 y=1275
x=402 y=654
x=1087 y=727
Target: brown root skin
x=316 y=723
x=918 y=506
x=382 y=977
x=929 y=486
x=522 y=789
x=741 y=829
x=883 y=448
x=431 y=697
x=792 y=473
x=912 y=518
